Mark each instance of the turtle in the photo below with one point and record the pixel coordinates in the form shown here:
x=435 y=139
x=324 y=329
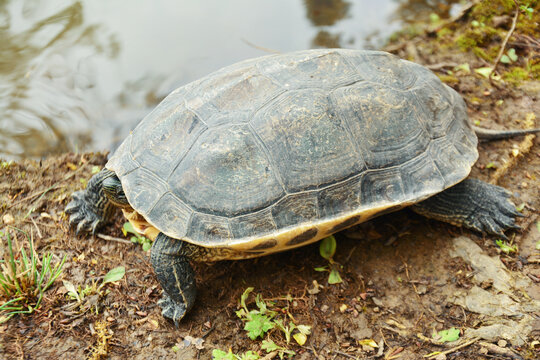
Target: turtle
x=283 y=150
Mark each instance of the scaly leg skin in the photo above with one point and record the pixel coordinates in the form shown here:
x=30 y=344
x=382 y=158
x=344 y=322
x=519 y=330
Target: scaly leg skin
x=176 y=276
x=90 y=208
x=473 y=204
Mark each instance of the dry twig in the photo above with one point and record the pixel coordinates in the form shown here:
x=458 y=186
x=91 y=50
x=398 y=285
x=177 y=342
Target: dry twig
x=503 y=46
x=112 y=238
x=449 y=351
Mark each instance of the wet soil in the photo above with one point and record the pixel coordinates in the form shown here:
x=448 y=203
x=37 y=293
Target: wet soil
x=404 y=276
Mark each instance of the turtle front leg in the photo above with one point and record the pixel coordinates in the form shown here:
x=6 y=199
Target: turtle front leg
x=90 y=208
x=170 y=259
x=473 y=204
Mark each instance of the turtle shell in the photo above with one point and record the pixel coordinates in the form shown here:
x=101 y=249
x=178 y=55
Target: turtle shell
x=283 y=150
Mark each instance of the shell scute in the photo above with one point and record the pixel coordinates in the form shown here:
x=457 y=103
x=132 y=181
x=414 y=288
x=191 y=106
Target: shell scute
x=304 y=136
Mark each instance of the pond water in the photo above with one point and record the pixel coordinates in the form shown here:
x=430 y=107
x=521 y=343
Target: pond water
x=78 y=75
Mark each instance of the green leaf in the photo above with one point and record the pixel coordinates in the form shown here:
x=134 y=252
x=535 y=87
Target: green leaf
x=334 y=277
x=505 y=247
x=258 y=325
x=484 y=71
x=322 y=268
x=72 y=290
x=505 y=59
x=250 y=355
x=520 y=207
x=222 y=355
x=490 y=165
x=327 y=248
x=304 y=329
x=241 y=313
x=244 y=297
x=449 y=335
x=434 y=18
x=146 y=246
x=463 y=67
x=512 y=54
x=114 y=275
x=95 y=170
x=269 y=346
x=128 y=228
x=260 y=304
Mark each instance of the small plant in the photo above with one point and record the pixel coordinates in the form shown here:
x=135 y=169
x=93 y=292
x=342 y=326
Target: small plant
x=136 y=238
x=505 y=247
x=527 y=9
x=82 y=295
x=222 y=355
x=24 y=278
x=509 y=57
x=327 y=249
x=259 y=322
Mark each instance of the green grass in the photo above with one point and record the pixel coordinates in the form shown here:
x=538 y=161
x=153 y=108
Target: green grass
x=24 y=277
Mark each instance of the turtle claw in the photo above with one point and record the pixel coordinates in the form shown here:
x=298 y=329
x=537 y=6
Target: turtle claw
x=82 y=226
x=496 y=214
x=172 y=310
x=83 y=217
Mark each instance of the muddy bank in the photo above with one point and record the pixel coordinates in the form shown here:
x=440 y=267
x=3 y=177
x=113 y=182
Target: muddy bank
x=404 y=277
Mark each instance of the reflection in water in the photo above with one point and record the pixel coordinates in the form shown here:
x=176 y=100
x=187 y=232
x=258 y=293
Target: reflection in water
x=79 y=74
x=324 y=39
x=410 y=11
x=326 y=13
x=42 y=104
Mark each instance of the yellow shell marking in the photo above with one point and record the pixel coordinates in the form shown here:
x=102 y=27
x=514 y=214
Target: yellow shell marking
x=285 y=239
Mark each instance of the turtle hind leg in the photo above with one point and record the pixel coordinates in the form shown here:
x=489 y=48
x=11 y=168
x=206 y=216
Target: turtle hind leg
x=90 y=208
x=473 y=204
x=170 y=259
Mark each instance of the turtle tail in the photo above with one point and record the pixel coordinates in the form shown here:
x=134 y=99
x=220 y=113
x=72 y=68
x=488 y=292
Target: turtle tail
x=489 y=134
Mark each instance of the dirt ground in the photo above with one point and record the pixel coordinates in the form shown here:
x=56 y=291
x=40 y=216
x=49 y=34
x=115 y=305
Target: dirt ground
x=404 y=276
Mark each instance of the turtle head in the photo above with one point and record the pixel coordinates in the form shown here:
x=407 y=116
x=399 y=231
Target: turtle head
x=112 y=187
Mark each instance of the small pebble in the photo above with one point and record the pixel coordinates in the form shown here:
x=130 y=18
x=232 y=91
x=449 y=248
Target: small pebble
x=342 y=308
x=8 y=219
x=377 y=301
x=502 y=343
